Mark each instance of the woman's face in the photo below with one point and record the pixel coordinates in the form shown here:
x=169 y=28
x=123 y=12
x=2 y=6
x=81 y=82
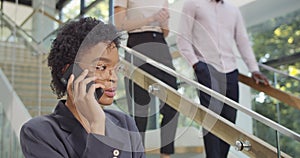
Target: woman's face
x=102 y=61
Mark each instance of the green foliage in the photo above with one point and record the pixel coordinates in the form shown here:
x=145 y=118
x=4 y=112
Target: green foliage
x=274 y=39
x=100 y=11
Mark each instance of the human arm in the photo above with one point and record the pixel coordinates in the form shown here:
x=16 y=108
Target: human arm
x=103 y=146
x=35 y=142
x=122 y=127
x=123 y=23
x=124 y=138
x=165 y=24
x=244 y=47
x=90 y=112
x=87 y=109
x=165 y=30
x=185 y=36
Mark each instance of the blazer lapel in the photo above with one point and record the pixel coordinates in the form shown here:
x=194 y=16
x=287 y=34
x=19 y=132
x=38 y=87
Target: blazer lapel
x=77 y=134
x=77 y=140
x=114 y=130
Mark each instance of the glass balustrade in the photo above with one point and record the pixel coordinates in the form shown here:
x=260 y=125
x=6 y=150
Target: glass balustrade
x=9 y=142
x=14 y=51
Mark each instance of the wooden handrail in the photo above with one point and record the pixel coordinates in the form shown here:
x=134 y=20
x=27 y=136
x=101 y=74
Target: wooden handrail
x=49 y=16
x=285 y=97
x=271 y=91
x=42 y=12
x=222 y=128
x=28 y=17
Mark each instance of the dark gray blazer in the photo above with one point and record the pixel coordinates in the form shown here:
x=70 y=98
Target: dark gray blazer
x=60 y=135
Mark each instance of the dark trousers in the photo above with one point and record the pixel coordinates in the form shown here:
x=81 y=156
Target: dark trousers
x=226 y=84
x=154 y=46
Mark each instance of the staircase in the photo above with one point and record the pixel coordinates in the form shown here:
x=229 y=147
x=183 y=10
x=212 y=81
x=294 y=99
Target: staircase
x=25 y=72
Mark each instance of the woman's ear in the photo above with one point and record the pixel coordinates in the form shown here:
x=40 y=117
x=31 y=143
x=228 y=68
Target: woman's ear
x=65 y=68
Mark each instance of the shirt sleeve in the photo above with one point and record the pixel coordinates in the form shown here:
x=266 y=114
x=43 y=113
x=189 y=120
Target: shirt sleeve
x=185 y=32
x=120 y=3
x=166 y=4
x=243 y=44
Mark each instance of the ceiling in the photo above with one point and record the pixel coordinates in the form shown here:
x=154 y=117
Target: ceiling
x=59 y=4
x=261 y=10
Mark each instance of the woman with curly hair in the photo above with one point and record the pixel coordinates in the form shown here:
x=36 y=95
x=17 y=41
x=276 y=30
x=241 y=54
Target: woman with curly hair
x=79 y=126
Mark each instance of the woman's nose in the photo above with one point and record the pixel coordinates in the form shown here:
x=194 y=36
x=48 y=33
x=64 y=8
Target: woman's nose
x=112 y=75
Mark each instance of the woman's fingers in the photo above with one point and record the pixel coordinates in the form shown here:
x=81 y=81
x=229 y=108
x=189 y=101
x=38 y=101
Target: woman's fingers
x=93 y=88
x=84 y=83
x=162 y=15
x=70 y=87
x=77 y=88
x=259 y=77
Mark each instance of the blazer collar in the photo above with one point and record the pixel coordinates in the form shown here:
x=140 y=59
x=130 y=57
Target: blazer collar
x=68 y=122
x=77 y=134
x=65 y=118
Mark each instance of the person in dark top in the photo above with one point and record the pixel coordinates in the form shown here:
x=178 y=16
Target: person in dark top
x=147 y=25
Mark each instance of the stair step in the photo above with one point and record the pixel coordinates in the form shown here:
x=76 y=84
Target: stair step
x=21 y=59
x=34 y=104
x=29 y=62
x=27 y=75
x=33 y=82
x=26 y=93
x=30 y=87
x=20 y=66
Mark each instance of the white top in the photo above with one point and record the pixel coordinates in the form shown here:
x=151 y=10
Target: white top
x=140 y=9
x=208 y=32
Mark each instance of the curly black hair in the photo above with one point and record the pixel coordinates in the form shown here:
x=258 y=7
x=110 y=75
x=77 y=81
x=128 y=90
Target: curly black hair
x=68 y=41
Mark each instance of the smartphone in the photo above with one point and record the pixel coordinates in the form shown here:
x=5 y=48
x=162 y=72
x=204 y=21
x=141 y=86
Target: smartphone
x=77 y=70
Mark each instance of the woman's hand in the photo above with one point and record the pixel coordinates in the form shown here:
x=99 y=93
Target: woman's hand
x=122 y=22
x=161 y=16
x=91 y=114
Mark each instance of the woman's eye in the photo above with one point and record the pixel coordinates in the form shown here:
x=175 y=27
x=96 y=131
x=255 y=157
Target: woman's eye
x=101 y=67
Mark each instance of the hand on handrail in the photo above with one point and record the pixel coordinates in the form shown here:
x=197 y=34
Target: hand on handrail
x=260 y=78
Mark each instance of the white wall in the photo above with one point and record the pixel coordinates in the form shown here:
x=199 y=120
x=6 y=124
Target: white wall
x=14 y=110
x=41 y=24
